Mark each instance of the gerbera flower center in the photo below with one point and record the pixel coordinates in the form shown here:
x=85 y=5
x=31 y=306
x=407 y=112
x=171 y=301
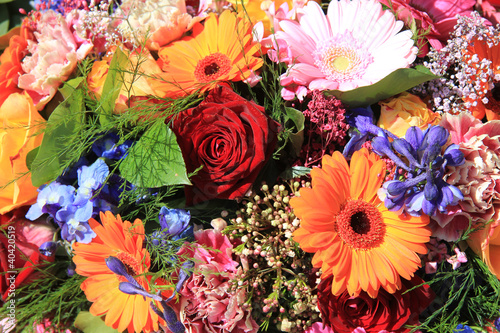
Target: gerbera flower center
x=493 y=96
x=360 y=225
x=342 y=58
x=212 y=67
x=132 y=265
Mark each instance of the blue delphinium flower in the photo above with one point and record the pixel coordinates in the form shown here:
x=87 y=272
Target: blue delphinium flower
x=50 y=199
x=463 y=329
x=91 y=179
x=73 y=220
x=423 y=189
x=71 y=208
x=108 y=147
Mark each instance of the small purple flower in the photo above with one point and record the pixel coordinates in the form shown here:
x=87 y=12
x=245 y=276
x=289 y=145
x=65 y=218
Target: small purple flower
x=363 y=120
x=108 y=147
x=175 y=223
x=48 y=249
x=71 y=270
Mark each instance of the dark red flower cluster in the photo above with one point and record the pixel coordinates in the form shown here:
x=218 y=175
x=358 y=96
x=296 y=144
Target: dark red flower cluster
x=325 y=128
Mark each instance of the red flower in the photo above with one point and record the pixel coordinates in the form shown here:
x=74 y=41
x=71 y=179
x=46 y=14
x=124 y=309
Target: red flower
x=230 y=138
x=19 y=243
x=386 y=312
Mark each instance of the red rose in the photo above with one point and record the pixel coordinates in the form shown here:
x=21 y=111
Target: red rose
x=230 y=138
x=386 y=312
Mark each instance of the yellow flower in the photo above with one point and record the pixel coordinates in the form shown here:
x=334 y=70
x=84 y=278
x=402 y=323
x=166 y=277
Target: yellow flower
x=222 y=50
x=19 y=119
x=403 y=111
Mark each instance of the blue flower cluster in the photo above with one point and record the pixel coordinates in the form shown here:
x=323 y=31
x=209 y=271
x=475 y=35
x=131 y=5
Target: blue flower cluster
x=71 y=208
x=97 y=191
x=419 y=154
x=463 y=329
x=420 y=186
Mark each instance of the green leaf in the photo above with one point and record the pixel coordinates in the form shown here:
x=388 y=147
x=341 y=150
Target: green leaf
x=30 y=157
x=70 y=86
x=155 y=160
x=296 y=116
x=295 y=172
x=5 y=1
x=393 y=84
x=112 y=85
x=297 y=136
x=89 y=323
x=4 y=19
x=54 y=151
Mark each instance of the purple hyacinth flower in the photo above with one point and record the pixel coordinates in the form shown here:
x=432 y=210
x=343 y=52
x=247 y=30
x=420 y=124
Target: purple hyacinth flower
x=420 y=154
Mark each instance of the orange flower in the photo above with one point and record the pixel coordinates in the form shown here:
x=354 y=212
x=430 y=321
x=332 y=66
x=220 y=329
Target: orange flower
x=20 y=121
x=257 y=11
x=399 y=113
x=486 y=243
x=139 y=66
x=10 y=65
x=122 y=240
x=353 y=235
x=222 y=50
x=490 y=86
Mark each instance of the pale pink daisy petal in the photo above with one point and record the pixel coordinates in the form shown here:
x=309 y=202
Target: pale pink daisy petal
x=315 y=24
x=356 y=44
x=298 y=42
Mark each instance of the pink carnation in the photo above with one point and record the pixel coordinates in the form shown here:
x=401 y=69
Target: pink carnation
x=54 y=56
x=478 y=178
x=208 y=303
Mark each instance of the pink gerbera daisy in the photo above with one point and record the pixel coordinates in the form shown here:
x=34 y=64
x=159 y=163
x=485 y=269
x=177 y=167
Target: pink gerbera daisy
x=355 y=44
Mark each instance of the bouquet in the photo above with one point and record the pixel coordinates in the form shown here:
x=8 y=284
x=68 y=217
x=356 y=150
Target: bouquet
x=250 y=166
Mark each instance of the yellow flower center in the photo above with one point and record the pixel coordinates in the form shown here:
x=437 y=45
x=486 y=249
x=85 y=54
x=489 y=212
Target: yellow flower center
x=341 y=63
x=342 y=58
x=212 y=67
x=360 y=225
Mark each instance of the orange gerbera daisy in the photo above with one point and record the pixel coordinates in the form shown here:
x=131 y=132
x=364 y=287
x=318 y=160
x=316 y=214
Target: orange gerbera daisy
x=124 y=241
x=221 y=50
x=353 y=235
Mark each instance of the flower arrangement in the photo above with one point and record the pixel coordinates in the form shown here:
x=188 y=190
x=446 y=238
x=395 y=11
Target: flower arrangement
x=250 y=166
